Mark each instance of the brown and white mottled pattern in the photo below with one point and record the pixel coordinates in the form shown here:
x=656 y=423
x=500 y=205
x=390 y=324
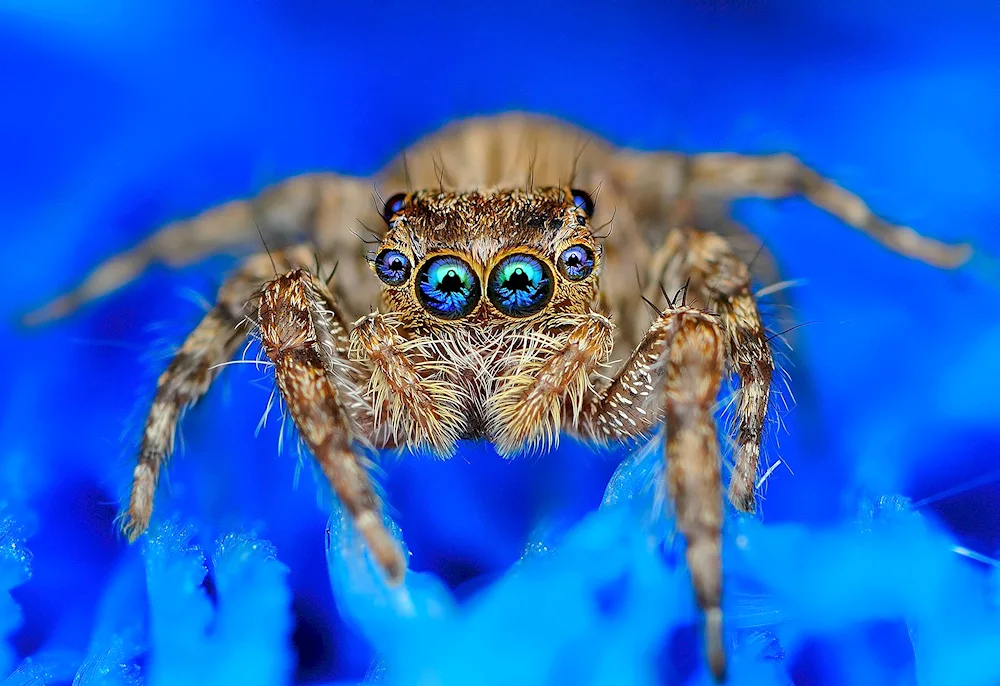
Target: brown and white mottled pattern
x=480 y=190
x=191 y=371
x=715 y=279
x=299 y=333
x=413 y=404
x=695 y=363
x=545 y=392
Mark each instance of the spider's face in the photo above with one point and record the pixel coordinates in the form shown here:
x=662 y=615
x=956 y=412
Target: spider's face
x=452 y=259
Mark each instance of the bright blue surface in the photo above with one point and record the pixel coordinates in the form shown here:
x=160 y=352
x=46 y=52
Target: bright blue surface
x=120 y=118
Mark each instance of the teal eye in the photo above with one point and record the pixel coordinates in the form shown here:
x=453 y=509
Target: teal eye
x=447 y=287
x=520 y=285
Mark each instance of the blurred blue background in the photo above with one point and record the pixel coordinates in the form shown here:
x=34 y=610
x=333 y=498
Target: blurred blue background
x=119 y=116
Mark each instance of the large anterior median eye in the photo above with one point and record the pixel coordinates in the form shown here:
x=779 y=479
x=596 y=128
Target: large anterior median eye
x=520 y=285
x=447 y=287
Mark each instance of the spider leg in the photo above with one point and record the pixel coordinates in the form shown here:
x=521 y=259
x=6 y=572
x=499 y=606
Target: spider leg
x=714 y=278
x=676 y=372
x=749 y=249
x=282 y=214
x=190 y=373
x=324 y=396
x=550 y=376
x=658 y=179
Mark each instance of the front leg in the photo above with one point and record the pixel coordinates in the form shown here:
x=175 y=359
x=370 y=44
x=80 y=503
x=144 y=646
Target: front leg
x=308 y=346
x=191 y=372
x=676 y=373
x=717 y=280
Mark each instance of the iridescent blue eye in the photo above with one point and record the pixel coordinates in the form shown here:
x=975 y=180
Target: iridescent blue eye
x=392 y=266
x=447 y=287
x=393 y=206
x=576 y=262
x=583 y=201
x=520 y=285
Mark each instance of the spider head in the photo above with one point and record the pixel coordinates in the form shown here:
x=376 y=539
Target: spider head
x=478 y=258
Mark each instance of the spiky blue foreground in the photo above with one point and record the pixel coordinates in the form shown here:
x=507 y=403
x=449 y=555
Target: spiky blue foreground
x=120 y=116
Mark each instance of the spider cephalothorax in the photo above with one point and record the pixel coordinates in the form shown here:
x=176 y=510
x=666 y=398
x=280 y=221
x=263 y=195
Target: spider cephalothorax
x=497 y=302
x=488 y=259
x=484 y=288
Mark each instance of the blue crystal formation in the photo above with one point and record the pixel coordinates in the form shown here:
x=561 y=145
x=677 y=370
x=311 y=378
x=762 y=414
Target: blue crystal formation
x=872 y=559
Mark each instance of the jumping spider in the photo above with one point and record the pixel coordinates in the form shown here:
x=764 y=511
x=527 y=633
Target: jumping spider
x=502 y=289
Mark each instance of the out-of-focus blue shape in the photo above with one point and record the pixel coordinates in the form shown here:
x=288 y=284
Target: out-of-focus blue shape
x=180 y=611
x=120 y=629
x=110 y=667
x=15 y=569
x=954 y=631
x=361 y=590
x=244 y=638
x=638 y=478
x=120 y=624
x=252 y=629
x=592 y=608
x=44 y=669
x=596 y=606
x=892 y=566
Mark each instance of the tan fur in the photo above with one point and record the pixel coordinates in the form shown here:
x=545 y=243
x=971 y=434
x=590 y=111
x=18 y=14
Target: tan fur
x=544 y=390
x=297 y=329
x=695 y=364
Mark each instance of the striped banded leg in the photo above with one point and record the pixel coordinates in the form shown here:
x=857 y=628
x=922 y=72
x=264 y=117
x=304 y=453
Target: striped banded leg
x=656 y=179
x=190 y=373
x=719 y=281
x=676 y=373
x=323 y=391
x=289 y=211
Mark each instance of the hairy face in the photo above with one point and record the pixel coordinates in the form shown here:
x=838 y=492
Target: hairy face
x=475 y=258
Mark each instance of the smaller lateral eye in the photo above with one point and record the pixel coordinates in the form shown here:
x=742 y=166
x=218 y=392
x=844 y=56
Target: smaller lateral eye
x=583 y=201
x=393 y=206
x=576 y=262
x=392 y=266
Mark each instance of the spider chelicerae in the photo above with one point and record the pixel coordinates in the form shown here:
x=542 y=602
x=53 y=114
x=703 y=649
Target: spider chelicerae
x=504 y=292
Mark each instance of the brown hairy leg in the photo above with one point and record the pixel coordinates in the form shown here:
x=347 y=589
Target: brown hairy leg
x=656 y=180
x=283 y=213
x=190 y=373
x=676 y=373
x=323 y=392
x=712 y=277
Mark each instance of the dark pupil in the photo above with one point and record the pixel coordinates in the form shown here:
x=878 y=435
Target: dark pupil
x=573 y=260
x=518 y=281
x=396 y=264
x=451 y=283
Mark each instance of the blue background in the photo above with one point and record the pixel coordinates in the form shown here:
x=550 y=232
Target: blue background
x=117 y=117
